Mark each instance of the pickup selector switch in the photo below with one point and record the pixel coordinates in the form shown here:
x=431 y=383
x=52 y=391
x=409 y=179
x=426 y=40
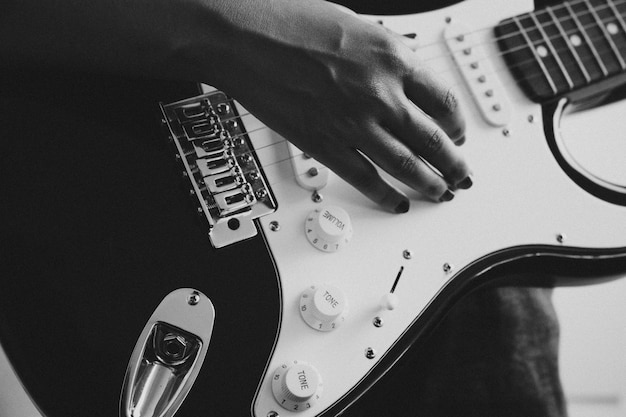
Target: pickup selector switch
x=323 y=307
x=296 y=385
x=328 y=228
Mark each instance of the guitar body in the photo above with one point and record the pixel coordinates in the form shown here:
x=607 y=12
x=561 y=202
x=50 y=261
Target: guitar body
x=96 y=231
x=96 y=228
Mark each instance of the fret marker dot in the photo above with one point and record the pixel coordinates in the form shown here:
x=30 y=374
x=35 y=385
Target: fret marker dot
x=612 y=28
x=542 y=51
x=575 y=40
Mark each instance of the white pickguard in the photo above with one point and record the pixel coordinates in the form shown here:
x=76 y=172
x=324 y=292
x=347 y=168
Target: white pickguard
x=520 y=197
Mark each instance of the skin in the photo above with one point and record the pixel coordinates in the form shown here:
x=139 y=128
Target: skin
x=346 y=91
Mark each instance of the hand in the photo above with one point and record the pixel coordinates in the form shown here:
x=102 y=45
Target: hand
x=345 y=91
x=350 y=94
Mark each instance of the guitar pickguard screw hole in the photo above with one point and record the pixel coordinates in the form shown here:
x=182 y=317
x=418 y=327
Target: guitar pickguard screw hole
x=273 y=414
x=274 y=226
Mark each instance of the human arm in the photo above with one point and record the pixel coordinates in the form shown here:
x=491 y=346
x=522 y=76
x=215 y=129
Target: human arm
x=345 y=91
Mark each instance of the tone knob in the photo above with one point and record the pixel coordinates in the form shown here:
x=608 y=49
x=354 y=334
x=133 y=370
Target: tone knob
x=328 y=228
x=323 y=307
x=296 y=385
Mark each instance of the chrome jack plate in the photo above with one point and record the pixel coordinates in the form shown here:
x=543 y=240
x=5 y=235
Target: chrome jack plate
x=168 y=355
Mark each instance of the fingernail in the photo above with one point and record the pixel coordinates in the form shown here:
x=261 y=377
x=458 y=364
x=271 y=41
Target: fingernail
x=447 y=196
x=466 y=183
x=403 y=207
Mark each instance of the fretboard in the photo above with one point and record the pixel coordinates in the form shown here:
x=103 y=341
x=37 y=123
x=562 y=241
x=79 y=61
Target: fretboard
x=555 y=51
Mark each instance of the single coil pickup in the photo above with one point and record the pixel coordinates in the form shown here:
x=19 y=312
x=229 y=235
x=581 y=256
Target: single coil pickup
x=224 y=181
x=234 y=200
x=207 y=129
x=212 y=166
x=193 y=111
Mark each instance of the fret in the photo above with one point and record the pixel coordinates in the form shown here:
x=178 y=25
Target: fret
x=522 y=62
x=564 y=48
x=546 y=53
x=617 y=14
x=564 y=39
x=620 y=6
x=612 y=15
x=555 y=55
x=606 y=35
x=538 y=59
x=583 y=31
x=578 y=42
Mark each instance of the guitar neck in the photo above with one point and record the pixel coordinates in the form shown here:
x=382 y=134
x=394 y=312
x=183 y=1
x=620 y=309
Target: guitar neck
x=556 y=51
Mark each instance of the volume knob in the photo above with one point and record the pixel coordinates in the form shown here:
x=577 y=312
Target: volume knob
x=328 y=228
x=296 y=385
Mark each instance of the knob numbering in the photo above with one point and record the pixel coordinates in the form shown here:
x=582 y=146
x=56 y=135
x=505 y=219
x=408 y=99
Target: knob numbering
x=328 y=228
x=323 y=307
x=296 y=385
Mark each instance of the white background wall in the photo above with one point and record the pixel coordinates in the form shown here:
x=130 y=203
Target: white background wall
x=593 y=348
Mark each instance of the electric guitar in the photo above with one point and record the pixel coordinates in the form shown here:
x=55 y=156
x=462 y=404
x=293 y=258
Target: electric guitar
x=316 y=292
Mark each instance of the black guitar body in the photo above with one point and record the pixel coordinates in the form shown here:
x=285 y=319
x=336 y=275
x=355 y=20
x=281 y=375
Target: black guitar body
x=94 y=214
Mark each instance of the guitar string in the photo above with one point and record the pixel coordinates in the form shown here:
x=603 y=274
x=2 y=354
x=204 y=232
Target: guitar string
x=282 y=140
x=586 y=59
x=280 y=161
x=535 y=43
x=496 y=39
x=322 y=166
x=496 y=70
x=256 y=149
x=499 y=69
x=537 y=74
x=505 y=68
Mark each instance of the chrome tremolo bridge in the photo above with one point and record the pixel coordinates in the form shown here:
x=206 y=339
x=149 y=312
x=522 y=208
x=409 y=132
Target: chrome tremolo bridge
x=221 y=164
